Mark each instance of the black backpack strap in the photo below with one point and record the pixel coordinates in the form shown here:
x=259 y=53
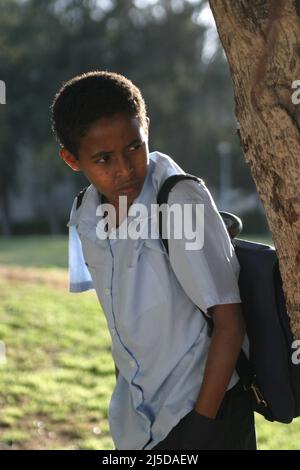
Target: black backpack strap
x=243 y=366
x=80 y=197
x=162 y=198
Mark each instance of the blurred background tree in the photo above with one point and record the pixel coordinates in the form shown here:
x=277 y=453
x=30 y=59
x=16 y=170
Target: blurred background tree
x=161 y=46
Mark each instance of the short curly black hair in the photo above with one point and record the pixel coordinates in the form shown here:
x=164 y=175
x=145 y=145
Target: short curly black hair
x=89 y=97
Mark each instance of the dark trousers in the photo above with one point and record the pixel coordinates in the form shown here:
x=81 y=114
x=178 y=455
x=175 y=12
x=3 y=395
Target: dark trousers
x=233 y=428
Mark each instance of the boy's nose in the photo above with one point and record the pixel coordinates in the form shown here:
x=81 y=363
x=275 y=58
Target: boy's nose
x=122 y=167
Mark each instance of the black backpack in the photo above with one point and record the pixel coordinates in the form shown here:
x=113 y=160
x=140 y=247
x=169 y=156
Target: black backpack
x=273 y=369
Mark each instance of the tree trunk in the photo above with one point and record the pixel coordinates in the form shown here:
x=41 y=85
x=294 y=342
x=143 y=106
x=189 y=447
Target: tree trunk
x=261 y=39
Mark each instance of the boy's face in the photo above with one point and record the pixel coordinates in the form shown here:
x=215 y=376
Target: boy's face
x=113 y=156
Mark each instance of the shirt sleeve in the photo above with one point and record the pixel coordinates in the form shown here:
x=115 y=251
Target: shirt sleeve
x=209 y=274
x=79 y=277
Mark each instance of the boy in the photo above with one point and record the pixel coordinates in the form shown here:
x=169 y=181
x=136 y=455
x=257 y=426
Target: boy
x=176 y=387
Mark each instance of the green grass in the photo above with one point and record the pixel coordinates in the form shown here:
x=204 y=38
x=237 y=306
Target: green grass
x=39 y=251
x=277 y=436
x=59 y=375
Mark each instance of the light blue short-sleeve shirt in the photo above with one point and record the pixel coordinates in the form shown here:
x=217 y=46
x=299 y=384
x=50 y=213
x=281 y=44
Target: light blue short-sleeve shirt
x=151 y=301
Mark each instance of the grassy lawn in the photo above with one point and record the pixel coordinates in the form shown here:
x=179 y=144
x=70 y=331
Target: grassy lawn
x=58 y=376
x=39 y=251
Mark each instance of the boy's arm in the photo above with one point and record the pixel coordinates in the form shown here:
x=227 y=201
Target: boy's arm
x=226 y=342
x=209 y=277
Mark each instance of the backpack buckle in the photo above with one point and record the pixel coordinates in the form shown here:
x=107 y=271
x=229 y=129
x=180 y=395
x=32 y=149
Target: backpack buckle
x=257 y=393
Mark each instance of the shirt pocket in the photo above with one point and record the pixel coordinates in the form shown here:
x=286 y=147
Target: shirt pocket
x=93 y=254
x=141 y=288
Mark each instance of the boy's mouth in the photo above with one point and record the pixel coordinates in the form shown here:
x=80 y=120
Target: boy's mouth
x=129 y=188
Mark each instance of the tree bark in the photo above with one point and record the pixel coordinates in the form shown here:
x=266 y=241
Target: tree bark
x=261 y=39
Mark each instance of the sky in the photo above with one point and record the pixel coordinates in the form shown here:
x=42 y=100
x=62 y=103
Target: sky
x=210 y=44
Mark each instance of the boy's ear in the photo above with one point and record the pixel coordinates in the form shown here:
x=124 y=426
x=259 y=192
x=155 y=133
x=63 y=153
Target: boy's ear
x=70 y=160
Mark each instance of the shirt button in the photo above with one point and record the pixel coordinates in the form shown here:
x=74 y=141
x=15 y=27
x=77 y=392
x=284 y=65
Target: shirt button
x=107 y=291
x=132 y=363
x=113 y=331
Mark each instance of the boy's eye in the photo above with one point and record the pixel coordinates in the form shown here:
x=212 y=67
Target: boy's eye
x=102 y=159
x=135 y=147
x=105 y=157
